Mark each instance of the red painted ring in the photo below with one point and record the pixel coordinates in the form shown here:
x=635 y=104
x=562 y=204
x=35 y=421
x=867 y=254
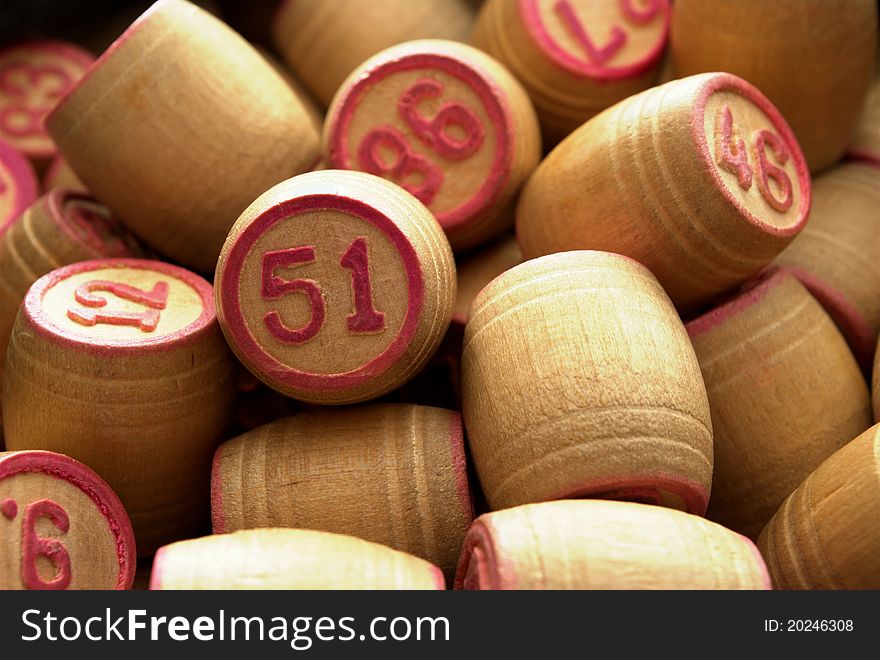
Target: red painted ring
x=79 y=475
x=235 y=325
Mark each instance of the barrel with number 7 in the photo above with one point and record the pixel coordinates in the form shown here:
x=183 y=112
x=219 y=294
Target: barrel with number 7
x=445 y=121
x=335 y=287
x=699 y=179
x=120 y=364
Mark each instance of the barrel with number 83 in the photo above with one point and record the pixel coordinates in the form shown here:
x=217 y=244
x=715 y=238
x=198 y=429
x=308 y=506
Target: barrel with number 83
x=335 y=287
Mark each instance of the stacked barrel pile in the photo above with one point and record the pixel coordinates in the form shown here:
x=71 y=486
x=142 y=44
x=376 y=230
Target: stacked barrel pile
x=417 y=294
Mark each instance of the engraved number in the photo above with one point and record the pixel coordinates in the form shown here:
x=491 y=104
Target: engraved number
x=732 y=156
x=406 y=162
x=764 y=139
x=365 y=317
x=617 y=40
x=34 y=546
x=154 y=300
x=434 y=132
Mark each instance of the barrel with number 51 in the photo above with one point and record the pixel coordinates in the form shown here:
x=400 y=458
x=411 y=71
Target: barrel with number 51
x=335 y=287
x=120 y=364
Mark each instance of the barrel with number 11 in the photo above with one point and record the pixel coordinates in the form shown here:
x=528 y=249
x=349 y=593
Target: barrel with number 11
x=445 y=121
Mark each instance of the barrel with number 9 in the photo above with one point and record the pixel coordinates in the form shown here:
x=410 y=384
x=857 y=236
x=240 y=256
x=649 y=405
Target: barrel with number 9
x=459 y=133
x=700 y=179
x=335 y=287
x=120 y=364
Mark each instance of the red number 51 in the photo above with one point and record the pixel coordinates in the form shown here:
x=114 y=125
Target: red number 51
x=364 y=319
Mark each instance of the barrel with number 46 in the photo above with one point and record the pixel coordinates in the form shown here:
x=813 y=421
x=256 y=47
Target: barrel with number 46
x=335 y=287
x=700 y=179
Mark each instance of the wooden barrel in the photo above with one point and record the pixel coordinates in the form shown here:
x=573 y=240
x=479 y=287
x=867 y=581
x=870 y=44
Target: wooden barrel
x=575 y=57
x=394 y=474
x=785 y=393
x=448 y=123
x=323 y=42
x=60 y=228
x=579 y=380
x=289 y=559
x=120 y=364
x=812 y=58
x=61 y=527
x=665 y=178
x=335 y=287
x=825 y=534
x=589 y=544
x=35 y=75
x=181 y=107
x=837 y=255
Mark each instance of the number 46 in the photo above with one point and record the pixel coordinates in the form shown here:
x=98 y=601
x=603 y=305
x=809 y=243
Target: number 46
x=364 y=319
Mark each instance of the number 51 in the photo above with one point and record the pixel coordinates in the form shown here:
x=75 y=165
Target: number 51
x=364 y=319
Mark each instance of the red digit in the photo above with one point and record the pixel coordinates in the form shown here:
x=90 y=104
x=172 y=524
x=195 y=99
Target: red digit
x=154 y=300
x=763 y=139
x=433 y=132
x=598 y=55
x=731 y=157
x=34 y=546
x=406 y=162
x=365 y=317
x=644 y=15
x=274 y=287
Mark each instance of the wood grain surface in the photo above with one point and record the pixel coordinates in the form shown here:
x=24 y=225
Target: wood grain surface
x=192 y=145
x=825 y=534
x=785 y=393
x=579 y=381
x=289 y=559
x=121 y=365
x=324 y=41
x=812 y=58
x=390 y=473
x=445 y=121
x=575 y=57
x=589 y=544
